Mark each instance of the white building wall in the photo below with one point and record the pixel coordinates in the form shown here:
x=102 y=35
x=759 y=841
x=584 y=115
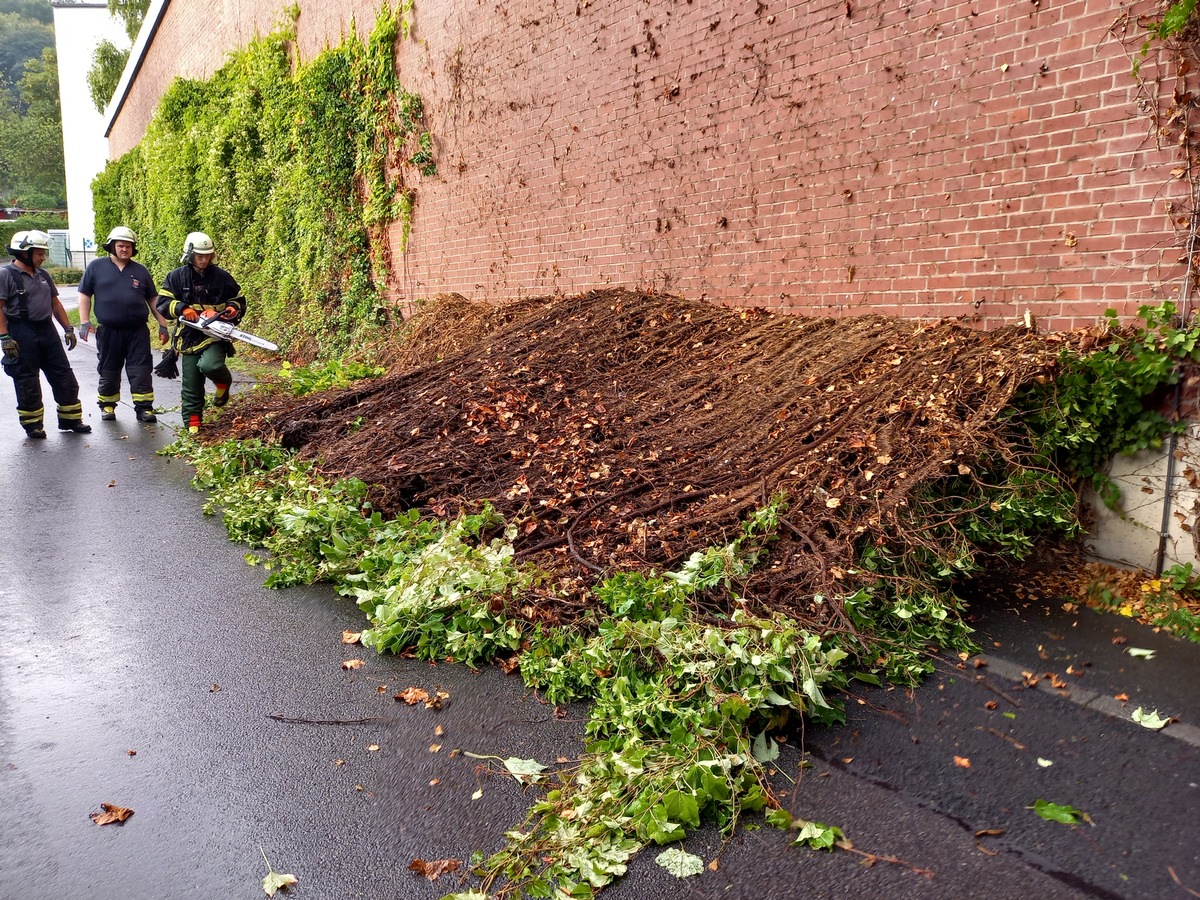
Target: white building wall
x=78 y=29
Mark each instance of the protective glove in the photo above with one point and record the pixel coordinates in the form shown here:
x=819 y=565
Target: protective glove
x=69 y=339
x=12 y=351
x=190 y=314
x=209 y=315
x=163 y=335
x=84 y=329
x=230 y=313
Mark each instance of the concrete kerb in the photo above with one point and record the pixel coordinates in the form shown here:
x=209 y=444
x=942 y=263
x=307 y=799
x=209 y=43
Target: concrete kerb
x=1093 y=700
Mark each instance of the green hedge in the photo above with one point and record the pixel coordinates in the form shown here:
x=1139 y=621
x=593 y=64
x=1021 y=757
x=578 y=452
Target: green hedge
x=29 y=222
x=286 y=165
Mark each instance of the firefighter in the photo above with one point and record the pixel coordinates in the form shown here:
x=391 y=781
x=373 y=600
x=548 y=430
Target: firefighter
x=28 y=302
x=122 y=290
x=195 y=292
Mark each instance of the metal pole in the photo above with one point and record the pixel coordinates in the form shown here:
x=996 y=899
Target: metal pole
x=1164 y=531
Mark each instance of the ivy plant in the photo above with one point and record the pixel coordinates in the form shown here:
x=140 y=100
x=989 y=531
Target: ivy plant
x=296 y=168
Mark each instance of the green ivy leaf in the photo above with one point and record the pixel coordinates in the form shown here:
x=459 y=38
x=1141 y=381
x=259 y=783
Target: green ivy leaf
x=1151 y=720
x=276 y=880
x=818 y=836
x=1057 y=812
x=680 y=863
x=682 y=807
x=526 y=771
x=764 y=748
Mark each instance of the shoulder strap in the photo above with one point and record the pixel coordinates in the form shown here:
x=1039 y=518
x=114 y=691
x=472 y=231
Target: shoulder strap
x=18 y=293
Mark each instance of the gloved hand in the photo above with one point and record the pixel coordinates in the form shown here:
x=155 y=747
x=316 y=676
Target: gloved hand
x=230 y=313
x=69 y=339
x=190 y=314
x=84 y=329
x=12 y=351
x=209 y=315
x=163 y=335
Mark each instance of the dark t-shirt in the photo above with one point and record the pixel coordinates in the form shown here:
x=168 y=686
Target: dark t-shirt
x=40 y=292
x=119 y=296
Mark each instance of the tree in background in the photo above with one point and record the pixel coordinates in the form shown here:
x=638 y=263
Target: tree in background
x=108 y=60
x=25 y=31
x=31 y=151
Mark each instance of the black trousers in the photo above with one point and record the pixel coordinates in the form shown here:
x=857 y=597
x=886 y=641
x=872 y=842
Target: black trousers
x=127 y=347
x=42 y=351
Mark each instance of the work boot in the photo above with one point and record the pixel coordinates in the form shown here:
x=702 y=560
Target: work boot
x=221 y=397
x=193 y=424
x=147 y=416
x=75 y=427
x=108 y=414
x=37 y=434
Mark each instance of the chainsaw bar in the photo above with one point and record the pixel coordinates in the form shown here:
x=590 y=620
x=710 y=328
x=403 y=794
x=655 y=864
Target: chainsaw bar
x=226 y=332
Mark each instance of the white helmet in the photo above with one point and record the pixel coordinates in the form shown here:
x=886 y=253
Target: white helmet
x=120 y=233
x=23 y=244
x=197 y=242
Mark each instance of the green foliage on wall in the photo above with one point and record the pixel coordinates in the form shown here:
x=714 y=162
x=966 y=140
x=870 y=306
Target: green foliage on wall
x=1105 y=403
x=294 y=168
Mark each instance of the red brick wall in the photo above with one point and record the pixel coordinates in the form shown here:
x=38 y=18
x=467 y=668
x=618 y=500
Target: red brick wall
x=925 y=158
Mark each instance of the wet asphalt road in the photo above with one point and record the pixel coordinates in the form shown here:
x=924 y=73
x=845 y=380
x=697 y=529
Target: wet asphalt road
x=128 y=622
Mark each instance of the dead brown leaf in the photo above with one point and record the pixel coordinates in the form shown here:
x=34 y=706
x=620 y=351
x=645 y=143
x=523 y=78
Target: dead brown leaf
x=963 y=762
x=413 y=695
x=111 y=814
x=351 y=637
x=435 y=868
x=352 y=664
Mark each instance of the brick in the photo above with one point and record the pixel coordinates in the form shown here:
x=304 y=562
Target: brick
x=965 y=178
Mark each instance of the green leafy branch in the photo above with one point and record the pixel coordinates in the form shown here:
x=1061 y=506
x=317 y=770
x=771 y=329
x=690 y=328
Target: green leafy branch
x=1103 y=402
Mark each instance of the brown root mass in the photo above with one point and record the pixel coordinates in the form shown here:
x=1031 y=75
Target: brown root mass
x=624 y=430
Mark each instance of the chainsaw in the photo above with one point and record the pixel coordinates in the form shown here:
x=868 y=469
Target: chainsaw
x=226 y=332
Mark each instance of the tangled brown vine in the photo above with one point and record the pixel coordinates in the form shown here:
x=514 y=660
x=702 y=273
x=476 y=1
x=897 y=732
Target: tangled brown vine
x=623 y=430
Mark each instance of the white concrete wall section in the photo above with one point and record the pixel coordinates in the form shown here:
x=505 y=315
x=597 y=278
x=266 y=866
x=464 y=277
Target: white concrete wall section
x=78 y=29
x=1133 y=539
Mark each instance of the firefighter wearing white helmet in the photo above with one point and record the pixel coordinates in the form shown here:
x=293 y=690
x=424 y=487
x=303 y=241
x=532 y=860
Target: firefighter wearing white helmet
x=200 y=290
x=29 y=306
x=122 y=292
x=197 y=243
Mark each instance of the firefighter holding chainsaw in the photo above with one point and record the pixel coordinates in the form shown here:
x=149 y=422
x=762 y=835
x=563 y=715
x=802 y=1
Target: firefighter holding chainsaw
x=199 y=292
